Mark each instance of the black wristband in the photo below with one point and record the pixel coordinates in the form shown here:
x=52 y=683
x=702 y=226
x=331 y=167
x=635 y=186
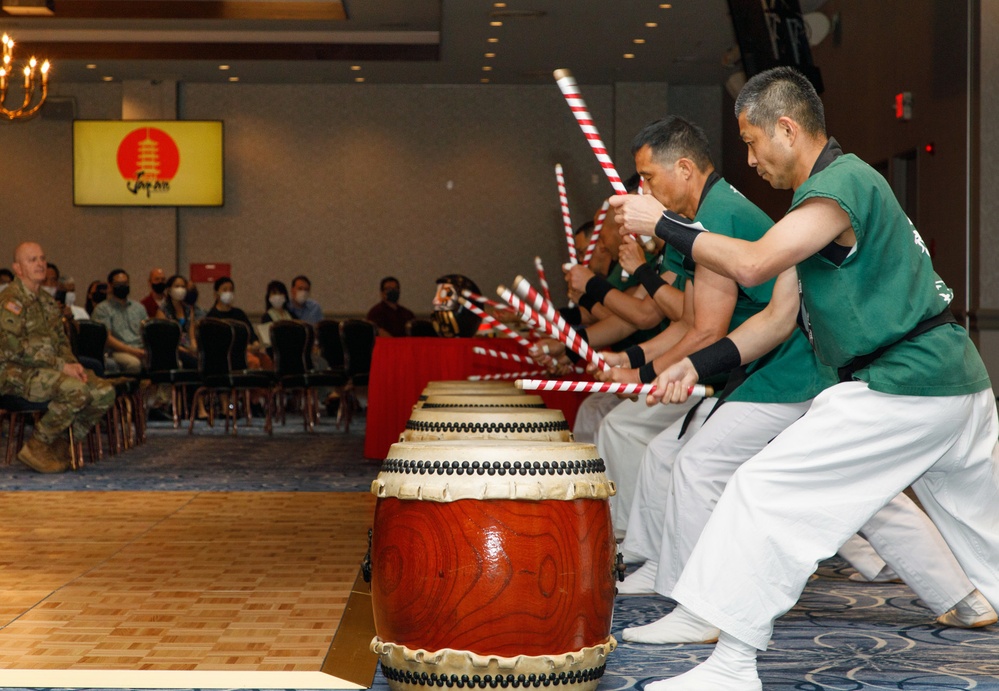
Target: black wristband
x=598 y=287
x=647 y=373
x=571 y=315
x=719 y=357
x=649 y=278
x=636 y=356
x=587 y=302
x=678 y=232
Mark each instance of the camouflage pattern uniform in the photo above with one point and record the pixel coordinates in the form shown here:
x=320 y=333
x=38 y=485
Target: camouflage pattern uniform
x=33 y=350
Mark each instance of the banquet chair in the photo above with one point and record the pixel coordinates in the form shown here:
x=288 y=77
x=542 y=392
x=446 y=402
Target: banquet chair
x=420 y=327
x=162 y=339
x=292 y=343
x=358 y=338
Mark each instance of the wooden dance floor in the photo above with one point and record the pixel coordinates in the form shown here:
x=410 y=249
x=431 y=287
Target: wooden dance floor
x=184 y=589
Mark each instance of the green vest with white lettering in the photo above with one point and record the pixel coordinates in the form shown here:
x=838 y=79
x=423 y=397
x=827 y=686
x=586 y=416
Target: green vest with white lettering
x=881 y=291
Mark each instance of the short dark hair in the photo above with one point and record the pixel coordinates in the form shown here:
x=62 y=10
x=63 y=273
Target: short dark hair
x=222 y=280
x=672 y=138
x=388 y=279
x=300 y=277
x=50 y=265
x=115 y=272
x=585 y=228
x=781 y=92
x=173 y=278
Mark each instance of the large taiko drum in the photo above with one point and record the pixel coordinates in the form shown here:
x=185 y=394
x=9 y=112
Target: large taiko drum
x=463 y=387
x=492 y=564
x=441 y=424
x=510 y=400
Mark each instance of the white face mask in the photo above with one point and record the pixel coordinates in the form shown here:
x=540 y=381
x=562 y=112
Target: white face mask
x=277 y=301
x=301 y=296
x=70 y=298
x=178 y=293
x=51 y=290
x=226 y=297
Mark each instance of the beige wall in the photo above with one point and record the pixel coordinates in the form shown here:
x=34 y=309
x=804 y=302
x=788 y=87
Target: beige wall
x=346 y=184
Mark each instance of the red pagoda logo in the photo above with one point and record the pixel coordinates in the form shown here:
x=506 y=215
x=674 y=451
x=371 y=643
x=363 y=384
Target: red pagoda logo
x=148 y=159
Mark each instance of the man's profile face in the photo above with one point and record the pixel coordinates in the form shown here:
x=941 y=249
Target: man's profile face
x=661 y=181
x=771 y=156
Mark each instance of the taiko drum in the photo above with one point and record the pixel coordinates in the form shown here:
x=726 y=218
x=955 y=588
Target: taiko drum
x=440 y=424
x=519 y=399
x=492 y=564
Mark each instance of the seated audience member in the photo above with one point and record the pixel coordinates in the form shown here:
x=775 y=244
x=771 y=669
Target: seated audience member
x=225 y=289
x=176 y=309
x=276 y=303
x=123 y=319
x=39 y=365
x=97 y=292
x=388 y=315
x=51 y=283
x=302 y=306
x=192 y=300
x=6 y=276
x=67 y=290
x=157 y=292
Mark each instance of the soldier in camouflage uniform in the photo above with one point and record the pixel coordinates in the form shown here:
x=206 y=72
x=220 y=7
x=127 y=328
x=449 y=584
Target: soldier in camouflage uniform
x=36 y=363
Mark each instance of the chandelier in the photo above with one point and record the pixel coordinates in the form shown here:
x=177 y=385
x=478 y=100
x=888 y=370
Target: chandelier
x=30 y=104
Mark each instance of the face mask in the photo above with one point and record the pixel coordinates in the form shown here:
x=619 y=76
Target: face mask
x=192 y=296
x=70 y=298
x=100 y=295
x=51 y=290
x=159 y=288
x=178 y=293
x=392 y=296
x=277 y=301
x=120 y=290
x=301 y=296
x=226 y=297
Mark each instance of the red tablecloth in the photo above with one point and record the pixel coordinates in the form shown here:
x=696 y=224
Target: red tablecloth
x=401 y=368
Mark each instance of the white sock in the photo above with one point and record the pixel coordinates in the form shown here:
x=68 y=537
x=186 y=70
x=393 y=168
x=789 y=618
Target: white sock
x=679 y=626
x=731 y=667
x=641 y=581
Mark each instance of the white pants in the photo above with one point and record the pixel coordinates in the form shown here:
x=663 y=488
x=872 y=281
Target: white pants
x=800 y=498
x=862 y=557
x=591 y=413
x=621 y=441
x=901 y=533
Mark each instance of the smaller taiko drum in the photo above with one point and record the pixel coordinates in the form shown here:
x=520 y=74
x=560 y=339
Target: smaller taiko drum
x=441 y=424
x=492 y=565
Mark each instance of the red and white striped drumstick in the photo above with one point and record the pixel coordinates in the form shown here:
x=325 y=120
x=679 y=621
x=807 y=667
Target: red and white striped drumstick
x=601 y=387
x=482 y=299
x=527 y=291
x=508 y=375
x=569 y=336
x=595 y=235
x=499 y=354
x=494 y=322
x=563 y=201
x=541 y=277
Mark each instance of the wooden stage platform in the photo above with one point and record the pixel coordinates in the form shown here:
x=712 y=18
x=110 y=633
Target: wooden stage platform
x=184 y=589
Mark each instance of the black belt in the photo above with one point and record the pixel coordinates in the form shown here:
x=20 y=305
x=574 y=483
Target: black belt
x=847 y=371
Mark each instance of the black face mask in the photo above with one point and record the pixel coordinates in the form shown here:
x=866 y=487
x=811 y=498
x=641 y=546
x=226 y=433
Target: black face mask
x=159 y=288
x=100 y=295
x=121 y=290
x=392 y=296
x=192 y=296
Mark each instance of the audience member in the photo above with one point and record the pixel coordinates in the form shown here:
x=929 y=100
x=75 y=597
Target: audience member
x=388 y=315
x=97 y=292
x=276 y=304
x=157 y=292
x=225 y=293
x=176 y=309
x=51 y=283
x=192 y=300
x=39 y=365
x=123 y=319
x=302 y=306
x=67 y=291
x=6 y=276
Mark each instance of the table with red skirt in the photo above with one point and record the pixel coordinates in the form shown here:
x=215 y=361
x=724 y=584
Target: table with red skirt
x=401 y=368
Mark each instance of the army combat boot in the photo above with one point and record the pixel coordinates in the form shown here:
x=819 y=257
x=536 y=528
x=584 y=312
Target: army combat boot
x=41 y=457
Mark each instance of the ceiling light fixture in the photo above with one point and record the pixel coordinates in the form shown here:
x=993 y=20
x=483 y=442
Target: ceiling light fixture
x=108 y=79
x=492 y=40
x=91 y=66
x=29 y=8
x=31 y=82
x=638 y=41
x=628 y=56
x=486 y=68
x=665 y=6
x=355 y=68
x=499 y=4
x=651 y=25
x=484 y=80
x=358 y=79
x=233 y=79
x=223 y=67
x=490 y=55
x=495 y=23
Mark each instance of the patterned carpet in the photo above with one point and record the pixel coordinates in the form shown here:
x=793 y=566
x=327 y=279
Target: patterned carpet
x=842 y=635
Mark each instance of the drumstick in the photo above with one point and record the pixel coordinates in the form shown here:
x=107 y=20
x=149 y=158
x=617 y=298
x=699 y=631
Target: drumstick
x=469 y=295
x=508 y=375
x=602 y=387
x=499 y=354
x=570 y=337
x=597 y=227
x=495 y=323
x=541 y=277
x=563 y=201
x=527 y=291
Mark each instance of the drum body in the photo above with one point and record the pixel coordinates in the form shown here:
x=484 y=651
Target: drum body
x=492 y=564
x=440 y=424
x=455 y=400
